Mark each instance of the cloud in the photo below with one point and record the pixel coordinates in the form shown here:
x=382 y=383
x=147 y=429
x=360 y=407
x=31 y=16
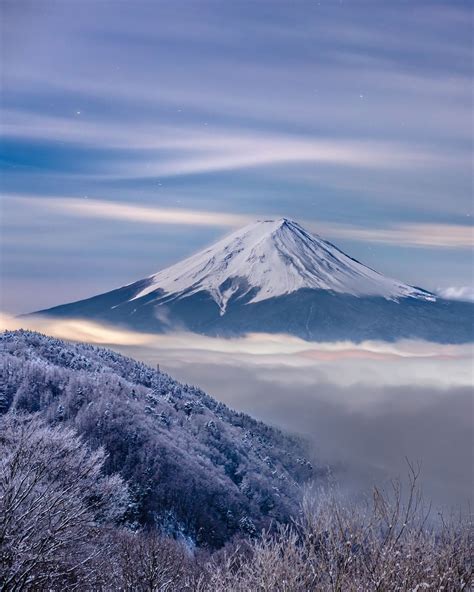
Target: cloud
x=363 y=407
x=75 y=330
x=267 y=96
x=194 y=149
x=465 y=293
x=343 y=363
x=363 y=430
x=231 y=152
x=456 y=236
x=93 y=208
x=449 y=236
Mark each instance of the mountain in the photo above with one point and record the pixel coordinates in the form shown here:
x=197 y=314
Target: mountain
x=270 y=259
x=196 y=469
x=274 y=276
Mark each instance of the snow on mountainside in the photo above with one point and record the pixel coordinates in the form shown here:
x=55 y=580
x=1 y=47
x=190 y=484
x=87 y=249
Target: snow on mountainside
x=273 y=258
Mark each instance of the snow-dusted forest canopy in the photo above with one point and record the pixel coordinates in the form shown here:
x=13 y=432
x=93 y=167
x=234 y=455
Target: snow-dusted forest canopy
x=193 y=466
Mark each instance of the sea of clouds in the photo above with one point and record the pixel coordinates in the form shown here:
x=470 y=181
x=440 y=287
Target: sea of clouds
x=364 y=407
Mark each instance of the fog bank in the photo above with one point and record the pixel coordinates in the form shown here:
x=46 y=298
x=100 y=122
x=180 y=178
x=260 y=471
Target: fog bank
x=363 y=407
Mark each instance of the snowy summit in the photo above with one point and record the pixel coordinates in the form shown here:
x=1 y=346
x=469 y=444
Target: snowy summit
x=272 y=258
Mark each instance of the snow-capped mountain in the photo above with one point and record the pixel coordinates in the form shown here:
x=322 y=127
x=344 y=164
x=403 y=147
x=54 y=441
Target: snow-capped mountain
x=271 y=258
x=274 y=276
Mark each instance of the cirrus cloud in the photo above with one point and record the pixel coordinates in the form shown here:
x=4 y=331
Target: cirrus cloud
x=449 y=236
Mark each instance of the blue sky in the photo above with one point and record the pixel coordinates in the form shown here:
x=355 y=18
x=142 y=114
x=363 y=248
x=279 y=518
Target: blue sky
x=137 y=132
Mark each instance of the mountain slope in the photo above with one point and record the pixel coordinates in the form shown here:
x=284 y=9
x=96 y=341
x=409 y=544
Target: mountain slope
x=272 y=258
x=273 y=276
x=195 y=467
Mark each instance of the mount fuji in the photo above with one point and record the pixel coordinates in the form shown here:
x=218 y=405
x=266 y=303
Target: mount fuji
x=274 y=276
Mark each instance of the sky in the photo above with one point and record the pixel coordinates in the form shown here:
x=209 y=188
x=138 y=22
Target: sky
x=135 y=133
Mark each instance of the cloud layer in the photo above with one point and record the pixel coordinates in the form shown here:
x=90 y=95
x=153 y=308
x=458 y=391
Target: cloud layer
x=449 y=236
x=196 y=150
x=364 y=407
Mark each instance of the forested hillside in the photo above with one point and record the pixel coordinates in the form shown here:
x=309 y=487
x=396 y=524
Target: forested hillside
x=194 y=468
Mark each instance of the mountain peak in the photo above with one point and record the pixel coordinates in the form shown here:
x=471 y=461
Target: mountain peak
x=277 y=221
x=269 y=258
x=268 y=225
x=274 y=223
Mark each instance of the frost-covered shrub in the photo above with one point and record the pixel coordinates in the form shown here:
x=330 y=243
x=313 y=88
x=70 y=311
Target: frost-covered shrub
x=390 y=544
x=54 y=498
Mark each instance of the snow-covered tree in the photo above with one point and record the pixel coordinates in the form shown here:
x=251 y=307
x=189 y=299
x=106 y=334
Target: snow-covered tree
x=53 y=498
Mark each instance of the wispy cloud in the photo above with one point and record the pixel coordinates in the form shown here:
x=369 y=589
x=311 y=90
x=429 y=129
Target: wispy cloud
x=450 y=236
x=199 y=149
x=94 y=208
x=444 y=236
